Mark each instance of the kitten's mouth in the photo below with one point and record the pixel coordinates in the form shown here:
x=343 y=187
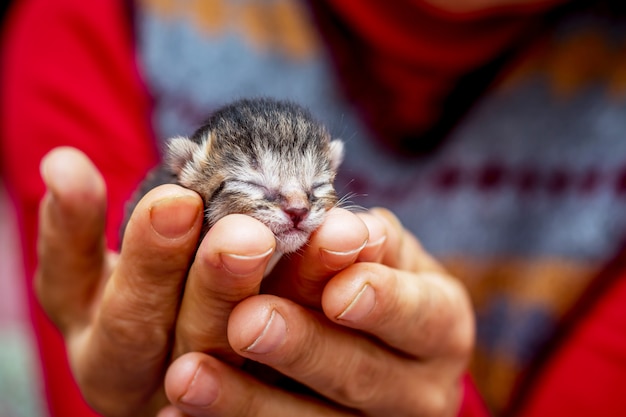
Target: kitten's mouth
x=290 y=240
x=287 y=229
x=293 y=233
x=296 y=229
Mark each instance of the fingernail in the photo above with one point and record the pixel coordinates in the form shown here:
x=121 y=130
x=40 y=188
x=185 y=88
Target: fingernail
x=377 y=243
x=272 y=336
x=336 y=260
x=203 y=388
x=243 y=265
x=174 y=217
x=373 y=251
x=360 y=306
x=376 y=228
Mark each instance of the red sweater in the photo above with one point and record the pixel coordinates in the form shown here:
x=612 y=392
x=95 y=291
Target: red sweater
x=69 y=78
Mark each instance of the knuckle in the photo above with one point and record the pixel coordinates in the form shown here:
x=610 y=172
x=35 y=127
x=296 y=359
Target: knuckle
x=105 y=398
x=437 y=404
x=444 y=400
x=462 y=336
x=361 y=385
x=98 y=402
x=137 y=330
x=462 y=343
x=55 y=312
x=446 y=307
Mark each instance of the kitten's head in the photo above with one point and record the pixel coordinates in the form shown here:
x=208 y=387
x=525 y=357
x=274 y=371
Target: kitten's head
x=265 y=158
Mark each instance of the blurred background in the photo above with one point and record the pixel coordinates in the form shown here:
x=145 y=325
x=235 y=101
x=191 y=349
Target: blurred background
x=20 y=390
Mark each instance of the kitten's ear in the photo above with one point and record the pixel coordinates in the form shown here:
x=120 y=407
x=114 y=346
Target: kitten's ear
x=336 y=154
x=180 y=151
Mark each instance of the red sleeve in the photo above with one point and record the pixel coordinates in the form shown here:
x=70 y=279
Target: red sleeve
x=472 y=404
x=69 y=78
x=586 y=375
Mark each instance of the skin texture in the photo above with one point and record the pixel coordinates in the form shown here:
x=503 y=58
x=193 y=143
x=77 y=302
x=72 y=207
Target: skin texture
x=364 y=317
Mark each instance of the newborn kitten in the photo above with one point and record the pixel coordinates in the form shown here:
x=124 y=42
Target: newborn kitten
x=265 y=158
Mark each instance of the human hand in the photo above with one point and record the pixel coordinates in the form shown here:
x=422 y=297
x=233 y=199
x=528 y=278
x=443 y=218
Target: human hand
x=390 y=335
x=118 y=313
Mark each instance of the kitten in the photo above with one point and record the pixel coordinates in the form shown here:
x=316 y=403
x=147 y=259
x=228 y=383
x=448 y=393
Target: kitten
x=265 y=158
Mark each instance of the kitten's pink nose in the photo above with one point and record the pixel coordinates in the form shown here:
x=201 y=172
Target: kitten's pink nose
x=296 y=214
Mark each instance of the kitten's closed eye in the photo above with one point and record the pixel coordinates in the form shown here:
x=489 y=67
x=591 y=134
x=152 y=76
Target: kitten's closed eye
x=321 y=188
x=268 y=193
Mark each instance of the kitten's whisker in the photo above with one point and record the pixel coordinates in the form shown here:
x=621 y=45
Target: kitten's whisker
x=346 y=202
x=348 y=184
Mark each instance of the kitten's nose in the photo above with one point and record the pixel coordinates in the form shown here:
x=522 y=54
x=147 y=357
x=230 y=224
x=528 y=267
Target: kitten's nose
x=296 y=213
